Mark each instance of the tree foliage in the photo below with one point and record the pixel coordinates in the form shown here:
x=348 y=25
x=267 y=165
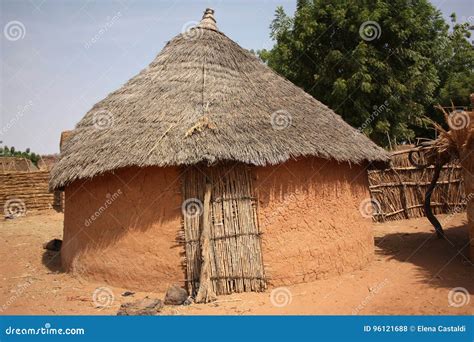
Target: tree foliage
x=457 y=65
x=379 y=64
x=6 y=151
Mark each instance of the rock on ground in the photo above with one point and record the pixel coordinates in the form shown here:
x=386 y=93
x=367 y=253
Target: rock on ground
x=175 y=295
x=141 y=307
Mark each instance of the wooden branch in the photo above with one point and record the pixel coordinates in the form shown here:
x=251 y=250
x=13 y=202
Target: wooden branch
x=206 y=292
x=402 y=184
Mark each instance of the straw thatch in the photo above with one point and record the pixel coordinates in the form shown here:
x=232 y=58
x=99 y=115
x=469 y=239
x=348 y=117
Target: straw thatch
x=64 y=138
x=455 y=144
x=206 y=99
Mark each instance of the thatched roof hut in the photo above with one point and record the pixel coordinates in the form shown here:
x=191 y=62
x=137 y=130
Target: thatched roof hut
x=206 y=99
x=207 y=111
x=9 y=164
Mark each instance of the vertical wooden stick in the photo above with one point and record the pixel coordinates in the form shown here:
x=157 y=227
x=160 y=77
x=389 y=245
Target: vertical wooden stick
x=206 y=292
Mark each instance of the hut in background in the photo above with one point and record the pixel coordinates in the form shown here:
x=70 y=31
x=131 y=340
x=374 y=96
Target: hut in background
x=47 y=162
x=209 y=155
x=13 y=164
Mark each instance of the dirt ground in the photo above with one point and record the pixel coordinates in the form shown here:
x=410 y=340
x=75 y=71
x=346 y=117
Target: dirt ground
x=412 y=273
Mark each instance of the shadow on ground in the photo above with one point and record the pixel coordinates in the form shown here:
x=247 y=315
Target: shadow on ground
x=52 y=260
x=442 y=262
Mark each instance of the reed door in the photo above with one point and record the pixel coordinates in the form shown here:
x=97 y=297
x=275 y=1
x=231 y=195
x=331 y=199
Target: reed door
x=235 y=246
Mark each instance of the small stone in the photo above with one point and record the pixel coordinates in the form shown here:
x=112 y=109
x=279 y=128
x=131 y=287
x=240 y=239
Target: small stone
x=128 y=293
x=141 y=307
x=175 y=295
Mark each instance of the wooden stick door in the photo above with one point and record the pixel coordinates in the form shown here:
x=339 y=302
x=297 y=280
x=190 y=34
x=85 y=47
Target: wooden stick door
x=235 y=248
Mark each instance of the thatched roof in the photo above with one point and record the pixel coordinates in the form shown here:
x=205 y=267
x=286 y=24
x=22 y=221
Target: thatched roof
x=47 y=162
x=9 y=164
x=206 y=99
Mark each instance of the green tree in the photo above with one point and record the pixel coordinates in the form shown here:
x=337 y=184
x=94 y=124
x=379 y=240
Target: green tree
x=34 y=158
x=373 y=62
x=456 y=67
x=12 y=152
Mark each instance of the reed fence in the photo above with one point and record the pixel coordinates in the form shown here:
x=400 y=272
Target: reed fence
x=398 y=192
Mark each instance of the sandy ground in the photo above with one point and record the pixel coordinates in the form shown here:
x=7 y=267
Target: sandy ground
x=412 y=273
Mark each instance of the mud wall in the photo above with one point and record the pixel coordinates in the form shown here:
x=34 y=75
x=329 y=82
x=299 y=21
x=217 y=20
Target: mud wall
x=121 y=228
x=310 y=218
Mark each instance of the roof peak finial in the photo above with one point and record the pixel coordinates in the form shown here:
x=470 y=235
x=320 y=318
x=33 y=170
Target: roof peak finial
x=208 y=20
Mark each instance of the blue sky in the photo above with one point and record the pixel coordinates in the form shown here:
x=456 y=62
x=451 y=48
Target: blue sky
x=73 y=53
